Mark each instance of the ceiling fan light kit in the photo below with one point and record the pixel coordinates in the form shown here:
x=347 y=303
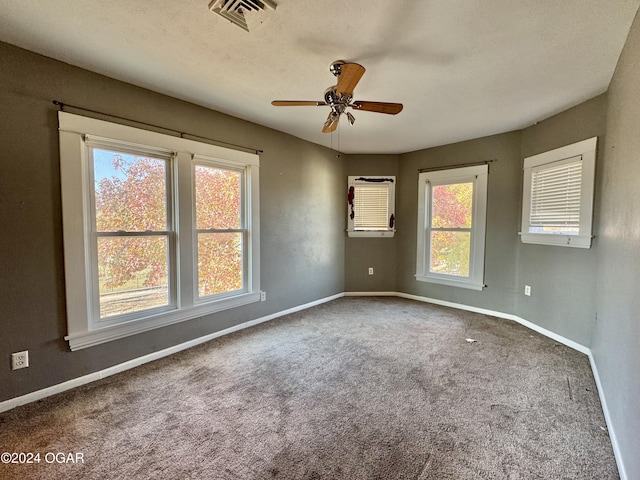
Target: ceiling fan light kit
x=339 y=97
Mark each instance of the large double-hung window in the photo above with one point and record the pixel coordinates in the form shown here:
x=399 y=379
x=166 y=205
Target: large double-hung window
x=132 y=233
x=157 y=229
x=221 y=230
x=451 y=226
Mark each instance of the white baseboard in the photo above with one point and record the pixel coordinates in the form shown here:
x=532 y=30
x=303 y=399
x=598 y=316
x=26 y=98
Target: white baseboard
x=76 y=382
x=607 y=418
x=92 y=377
x=372 y=294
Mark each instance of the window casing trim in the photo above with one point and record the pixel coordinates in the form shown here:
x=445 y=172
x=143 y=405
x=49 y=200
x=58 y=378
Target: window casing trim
x=586 y=149
x=77 y=225
x=390 y=182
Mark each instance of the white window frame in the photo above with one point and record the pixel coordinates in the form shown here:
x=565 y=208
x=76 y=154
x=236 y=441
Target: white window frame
x=93 y=142
x=84 y=329
x=390 y=183
x=478 y=175
x=200 y=160
x=585 y=151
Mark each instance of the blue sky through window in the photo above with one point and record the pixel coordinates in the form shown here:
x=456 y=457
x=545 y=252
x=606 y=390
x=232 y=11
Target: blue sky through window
x=103 y=164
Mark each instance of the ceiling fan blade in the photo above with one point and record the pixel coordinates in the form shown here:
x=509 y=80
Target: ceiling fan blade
x=349 y=77
x=332 y=123
x=296 y=103
x=379 y=107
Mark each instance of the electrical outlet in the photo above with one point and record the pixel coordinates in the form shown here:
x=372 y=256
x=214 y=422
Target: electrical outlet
x=370 y=270
x=527 y=290
x=19 y=360
x=263 y=296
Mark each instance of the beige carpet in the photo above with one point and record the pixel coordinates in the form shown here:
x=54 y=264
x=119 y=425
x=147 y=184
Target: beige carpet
x=376 y=388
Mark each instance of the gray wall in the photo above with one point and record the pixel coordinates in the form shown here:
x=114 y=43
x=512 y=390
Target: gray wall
x=379 y=253
x=301 y=205
x=616 y=337
x=503 y=204
x=563 y=280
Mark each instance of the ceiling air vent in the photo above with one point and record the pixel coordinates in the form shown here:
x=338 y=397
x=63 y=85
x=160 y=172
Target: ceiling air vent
x=235 y=10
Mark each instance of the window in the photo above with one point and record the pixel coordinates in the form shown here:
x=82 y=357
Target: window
x=557 y=203
x=221 y=230
x=371 y=206
x=157 y=229
x=132 y=236
x=451 y=226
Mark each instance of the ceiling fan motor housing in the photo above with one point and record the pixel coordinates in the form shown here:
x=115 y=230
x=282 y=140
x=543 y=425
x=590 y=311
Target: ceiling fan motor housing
x=330 y=95
x=336 y=67
x=337 y=102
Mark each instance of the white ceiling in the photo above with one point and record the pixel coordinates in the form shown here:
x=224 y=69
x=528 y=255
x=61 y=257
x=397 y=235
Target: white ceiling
x=462 y=68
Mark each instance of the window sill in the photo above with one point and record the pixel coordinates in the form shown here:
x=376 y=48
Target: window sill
x=450 y=283
x=371 y=234
x=575 y=241
x=84 y=339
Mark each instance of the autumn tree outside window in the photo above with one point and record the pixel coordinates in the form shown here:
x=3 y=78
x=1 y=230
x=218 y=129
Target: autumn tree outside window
x=220 y=228
x=132 y=229
x=157 y=229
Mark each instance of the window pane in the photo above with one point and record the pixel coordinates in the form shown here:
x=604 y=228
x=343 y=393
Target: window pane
x=220 y=268
x=452 y=205
x=130 y=192
x=450 y=253
x=218 y=198
x=132 y=274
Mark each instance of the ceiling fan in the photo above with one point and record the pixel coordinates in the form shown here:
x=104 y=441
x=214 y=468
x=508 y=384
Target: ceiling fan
x=339 y=96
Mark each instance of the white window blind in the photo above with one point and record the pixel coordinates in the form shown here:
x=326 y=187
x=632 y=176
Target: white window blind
x=555 y=194
x=371 y=206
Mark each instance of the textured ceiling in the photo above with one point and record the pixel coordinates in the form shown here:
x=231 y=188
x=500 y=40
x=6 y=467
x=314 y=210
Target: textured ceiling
x=462 y=68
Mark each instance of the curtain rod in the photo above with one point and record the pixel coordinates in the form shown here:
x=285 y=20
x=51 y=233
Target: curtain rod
x=62 y=106
x=461 y=165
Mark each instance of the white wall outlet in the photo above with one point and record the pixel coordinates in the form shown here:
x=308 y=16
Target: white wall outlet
x=19 y=360
x=527 y=290
x=370 y=270
x=263 y=296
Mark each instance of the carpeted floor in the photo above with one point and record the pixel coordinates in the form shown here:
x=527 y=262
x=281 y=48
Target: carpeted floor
x=358 y=388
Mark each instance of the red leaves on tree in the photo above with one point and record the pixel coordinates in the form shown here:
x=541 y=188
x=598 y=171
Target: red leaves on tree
x=451 y=209
x=135 y=201
x=219 y=206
